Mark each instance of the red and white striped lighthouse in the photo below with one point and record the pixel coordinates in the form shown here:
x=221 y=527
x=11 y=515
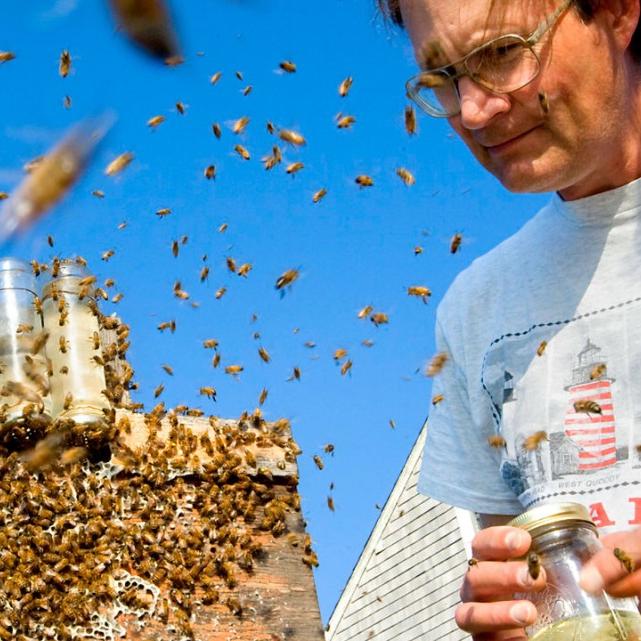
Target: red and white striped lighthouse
x=593 y=433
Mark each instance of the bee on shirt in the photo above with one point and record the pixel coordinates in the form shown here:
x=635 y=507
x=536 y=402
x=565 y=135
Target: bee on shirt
x=587 y=406
x=496 y=441
x=541 y=348
x=598 y=371
x=533 y=441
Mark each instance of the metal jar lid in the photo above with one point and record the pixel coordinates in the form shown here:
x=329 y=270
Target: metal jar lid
x=551 y=515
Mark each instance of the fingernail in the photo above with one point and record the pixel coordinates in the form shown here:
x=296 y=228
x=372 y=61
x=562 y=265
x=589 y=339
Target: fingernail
x=591 y=580
x=516 y=540
x=521 y=613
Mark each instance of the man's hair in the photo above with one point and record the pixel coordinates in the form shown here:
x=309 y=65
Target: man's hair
x=586 y=9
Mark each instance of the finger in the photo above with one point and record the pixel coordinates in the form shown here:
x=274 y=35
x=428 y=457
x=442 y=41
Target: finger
x=500 y=543
x=604 y=569
x=503 y=635
x=629 y=585
x=490 y=617
x=488 y=579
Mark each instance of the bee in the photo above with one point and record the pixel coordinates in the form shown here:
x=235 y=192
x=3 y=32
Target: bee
x=247 y=90
x=98 y=193
x=49 y=240
x=587 y=406
x=3 y=195
x=365 y=311
x=318 y=461
x=329 y=449
x=346 y=367
x=119 y=163
x=410 y=120
x=204 y=272
x=181 y=107
x=181 y=293
x=216 y=77
x=471 y=563
x=309 y=344
x=122 y=225
x=319 y=195
x=436 y=364
x=330 y=503
x=379 y=318
x=344 y=122
x=64 y=369
x=625 y=559
x=73 y=455
x=273 y=159
x=154 y=121
x=65 y=63
x=220 y=293
x=344 y=87
x=340 y=353
x=598 y=371
x=106 y=255
x=175 y=248
x=165 y=211
x=533 y=565
x=217 y=131
x=23 y=328
x=109 y=282
x=287 y=278
x=406 y=176
x=534 y=440
x=367 y=342
x=210 y=343
x=455 y=243
x=63 y=344
x=296 y=374
x=210 y=172
x=6 y=56
x=216 y=360
x=239 y=125
x=392 y=423
x=242 y=152
x=174 y=61
x=159 y=390
x=294 y=167
x=264 y=354
x=244 y=269
x=118 y=297
x=541 y=348
x=364 y=180
x=234 y=370
x=68 y=401
x=288 y=66
x=543 y=101
x=171 y=325
x=95 y=340
x=419 y=290
x=496 y=441
x=292 y=137
x=223 y=228
x=209 y=392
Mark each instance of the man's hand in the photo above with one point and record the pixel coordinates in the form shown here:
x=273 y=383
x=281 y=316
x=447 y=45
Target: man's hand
x=489 y=610
x=615 y=567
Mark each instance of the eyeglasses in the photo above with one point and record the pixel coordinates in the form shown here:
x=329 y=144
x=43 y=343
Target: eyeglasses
x=502 y=65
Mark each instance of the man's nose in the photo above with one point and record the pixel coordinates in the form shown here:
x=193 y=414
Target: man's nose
x=478 y=104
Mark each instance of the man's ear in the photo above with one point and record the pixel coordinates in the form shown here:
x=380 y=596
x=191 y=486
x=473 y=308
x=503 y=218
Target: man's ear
x=622 y=17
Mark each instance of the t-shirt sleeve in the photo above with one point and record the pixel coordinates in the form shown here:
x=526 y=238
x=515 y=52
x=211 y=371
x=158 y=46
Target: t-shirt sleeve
x=459 y=467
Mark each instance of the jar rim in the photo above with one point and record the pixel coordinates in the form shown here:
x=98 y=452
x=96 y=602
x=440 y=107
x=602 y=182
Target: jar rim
x=552 y=514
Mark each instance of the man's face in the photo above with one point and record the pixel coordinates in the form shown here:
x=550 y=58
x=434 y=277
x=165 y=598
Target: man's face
x=575 y=147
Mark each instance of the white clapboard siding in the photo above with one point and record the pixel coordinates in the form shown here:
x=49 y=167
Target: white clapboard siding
x=405 y=585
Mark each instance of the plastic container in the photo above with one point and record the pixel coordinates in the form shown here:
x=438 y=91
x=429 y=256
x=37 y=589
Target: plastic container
x=74 y=346
x=564 y=538
x=24 y=383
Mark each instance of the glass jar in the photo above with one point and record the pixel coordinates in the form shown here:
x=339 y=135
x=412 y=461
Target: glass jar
x=24 y=383
x=78 y=379
x=564 y=538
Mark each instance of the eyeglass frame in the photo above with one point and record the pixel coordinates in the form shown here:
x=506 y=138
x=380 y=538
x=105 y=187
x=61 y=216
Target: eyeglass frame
x=544 y=26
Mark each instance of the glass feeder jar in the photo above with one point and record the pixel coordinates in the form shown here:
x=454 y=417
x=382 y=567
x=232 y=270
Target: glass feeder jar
x=74 y=347
x=564 y=538
x=24 y=382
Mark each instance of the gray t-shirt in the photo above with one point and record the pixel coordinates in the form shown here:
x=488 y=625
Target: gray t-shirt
x=543 y=335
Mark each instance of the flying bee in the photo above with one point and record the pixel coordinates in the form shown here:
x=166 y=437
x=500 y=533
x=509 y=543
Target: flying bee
x=234 y=370
x=436 y=364
x=533 y=565
x=598 y=371
x=406 y=176
x=210 y=343
x=63 y=344
x=171 y=325
x=625 y=559
x=272 y=159
x=220 y=293
x=287 y=278
x=437 y=398
x=181 y=107
x=204 y=272
x=223 y=228
x=6 y=56
x=363 y=180
x=410 y=120
x=340 y=353
x=365 y=311
x=543 y=101
x=247 y=90
x=244 y=269
x=455 y=242
x=215 y=361
x=159 y=390
x=119 y=163
x=169 y=369
x=587 y=406
x=296 y=374
x=65 y=63
x=319 y=195
x=106 y=255
x=379 y=318
x=217 y=131
x=294 y=167
x=264 y=354
x=344 y=122
x=23 y=328
x=319 y=461
x=210 y=172
x=346 y=367
x=98 y=193
x=209 y=392
x=534 y=440
x=288 y=66
x=239 y=125
x=165 y=211
x=117 y=298
x=496 y=441
x=330 y=503
x=292 y=137
x=216 y=77
x=154 y=121
x=263 y=396
x=175 y=248
x=68 y=401
x=541 y=348
x=419 y=290
x=344 y=87
x=242 y=152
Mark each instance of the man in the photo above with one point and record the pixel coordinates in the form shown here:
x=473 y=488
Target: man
x=542 y=392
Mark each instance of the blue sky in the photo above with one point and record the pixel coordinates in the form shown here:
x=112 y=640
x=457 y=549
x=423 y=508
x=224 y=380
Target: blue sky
x=354 y=248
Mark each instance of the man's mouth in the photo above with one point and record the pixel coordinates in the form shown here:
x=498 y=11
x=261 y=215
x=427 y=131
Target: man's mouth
x=507 y=142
